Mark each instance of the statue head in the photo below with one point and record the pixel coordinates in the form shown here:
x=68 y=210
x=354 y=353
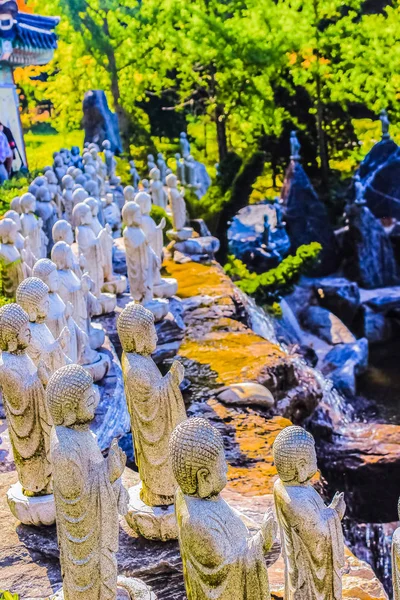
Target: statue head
x=143 y=199
x=93 y=153
x=136 y=330
x=32 y=189
x=46 y=270
x=75 y=151
x=132 y=164
x=8 y=231
x=67 y=182
x=77 y=172
x=82 y=215
x=131 y=214
x=15 y=333
x=40 y=181
x=15 y=205
x=106 y=145
x=178 y=156
x=183 y=135
x=43 y=194
x=79 y=195
x=155 y=173
x=198 y=458
x=51 y=177
x=150 y=158
x=93 y=205
x=33 y=295
x=145 y=184
x=172 y=180
x=61 y=256
x=27 y=203
x=87 y=158
x=62 y=231
x=109 y=198
x=294 y=455
x=92 y=188
x=129 y=193
x=12 y=214
x=160 y=156
x=58 y=161
x=71 y=396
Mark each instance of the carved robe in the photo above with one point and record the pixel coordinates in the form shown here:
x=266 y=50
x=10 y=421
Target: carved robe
x=396 y=564
x=28 y=420
x=45 y=348
x=141 y=264
x=156 y=407
x=57 y=319
x=312 y=543
x=90 y=247
x=155 y=238
x=87 y=515
x=11 y=269
x=71 y=291
x=221 y=560
x=32 y=230
x=178 y=208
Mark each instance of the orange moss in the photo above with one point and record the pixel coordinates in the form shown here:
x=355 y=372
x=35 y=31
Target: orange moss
x=195 y=279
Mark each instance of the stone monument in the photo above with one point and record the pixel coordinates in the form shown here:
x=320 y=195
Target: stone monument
x=384 y=119
x=221 y=559
x=134 y=174
x=155 y=406
x=295 y=146
x=32 y=227
x=11 y=265
x=28 y=419
x=158 y=195
x=311 y=532
x=88 y=490
x=185 y=145
x=178 y=208
x=33 y=296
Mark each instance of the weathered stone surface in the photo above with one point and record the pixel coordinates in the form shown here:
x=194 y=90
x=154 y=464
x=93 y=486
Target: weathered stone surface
x=307 y=218
x=246 y=394
x=99 y=122
x=327 y=326
x=381 y=300
x=340 y=296
x=344 y=363
x=376 y=327
x=368 y=253
x=379 y=174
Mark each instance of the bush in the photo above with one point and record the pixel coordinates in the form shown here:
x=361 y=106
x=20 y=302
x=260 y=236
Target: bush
x=11 y=188
x=8 y=596
x=269 y=287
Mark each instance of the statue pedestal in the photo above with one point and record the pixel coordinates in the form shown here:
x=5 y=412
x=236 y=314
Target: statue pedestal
x=96 y=335
x=116 y=286
x=167 y=288
x=108 y=302
x=151 y=522
x=180 y=236
x=159 y=307
x=129 y=588
x=36 y=510
x=100 y=368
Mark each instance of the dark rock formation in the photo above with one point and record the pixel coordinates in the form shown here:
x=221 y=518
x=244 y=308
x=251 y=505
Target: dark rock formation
x=307 y=218
x=344 y=363
x=327 y=326
x=369 y=257
x=99 y=122
x=340 y=296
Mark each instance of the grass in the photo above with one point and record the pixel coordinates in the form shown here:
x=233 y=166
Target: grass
x=41 y=145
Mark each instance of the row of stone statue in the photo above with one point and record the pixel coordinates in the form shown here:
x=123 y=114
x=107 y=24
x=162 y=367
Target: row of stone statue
x=48 y=415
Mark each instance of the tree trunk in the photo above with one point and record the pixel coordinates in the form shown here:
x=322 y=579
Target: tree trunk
x=220 y=122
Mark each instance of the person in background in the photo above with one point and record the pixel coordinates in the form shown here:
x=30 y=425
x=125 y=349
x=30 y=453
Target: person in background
x=5 y=155
x=11 y=142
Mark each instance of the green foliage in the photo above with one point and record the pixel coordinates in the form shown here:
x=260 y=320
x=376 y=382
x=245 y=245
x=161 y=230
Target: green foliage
x=11 y=188
x=158 y=213
x=4 y=595
x=269 y=287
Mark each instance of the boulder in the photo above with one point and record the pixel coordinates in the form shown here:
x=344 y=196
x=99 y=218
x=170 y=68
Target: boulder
x=327 y=326
x=376 y=327
x=197 y=249
x=379 y=174
x=369 y=257
x=382 y=300
x=376 y=158
x=99 y=122
x=344 y=363
x=340 y=296
x=246 y=394
x=307 y=218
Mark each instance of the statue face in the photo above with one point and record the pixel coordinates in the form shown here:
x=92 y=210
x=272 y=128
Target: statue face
x=69 y=236
x=87 y=405
x=24 y=336
x=306 y=469
x=42 y=309
x=53 y=281
x=211 y=482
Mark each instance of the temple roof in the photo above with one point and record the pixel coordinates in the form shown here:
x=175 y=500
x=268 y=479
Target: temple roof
x=36 y=31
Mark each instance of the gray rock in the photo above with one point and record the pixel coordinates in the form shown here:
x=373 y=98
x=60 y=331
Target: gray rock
x=376 y=327
x=197 y=249
x=369 y=257
x=327 y=326
x=382 y=300
x=99 y=122
x=340 y=296
x=344 y=362
x=246 y=394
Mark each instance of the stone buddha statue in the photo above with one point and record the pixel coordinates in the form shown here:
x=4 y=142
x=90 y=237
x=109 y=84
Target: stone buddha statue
x=177 y=203
x=155 y=403
x=28 y=419
x=134 y=174
x=153 y=232
x=15 y=205
x=87 y=489
x=67 y=186
x=162 y=166
x=185 y=145
x=78 y=196
x=129 y=193
x=89 y=244
x=32 y=227
x=112 y=215
x=62 y=232
x=142 y=262
x=221 y=559
x=311 y=532
x=33 y=296
x=158 y=195
x=396 y=560
x=19 y=238
x=11 y=265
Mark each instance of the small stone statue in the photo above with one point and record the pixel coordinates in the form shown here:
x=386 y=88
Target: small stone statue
x=32 y=227
x=45 y=210
x=158 y=194
x=185 y=146
x=294 y=146
x=129 y=193
x=153 y=232
x=15 y=205
x=359 y=191
x=19 y=239
x=180 y=168
x=28 y=418
x=150 y=162
x=384 y=119
x=155 y=403
x=177 y=203
x=145 y=185
x=111 y=163
x=59 y=167
x=134 y=174
x=11 y=266
x=221 y=559
x=33 y=296
x=311 y=532
x=112 y=215
x=78 y=196
x=67 y=185
x=87 y=488
x=162 y=167
x=62 y=232
x=396 y=561
x=190 y=171
x=89 y=245
x=142 y=262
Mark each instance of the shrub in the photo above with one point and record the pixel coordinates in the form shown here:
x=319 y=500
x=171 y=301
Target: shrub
x=269 y=287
